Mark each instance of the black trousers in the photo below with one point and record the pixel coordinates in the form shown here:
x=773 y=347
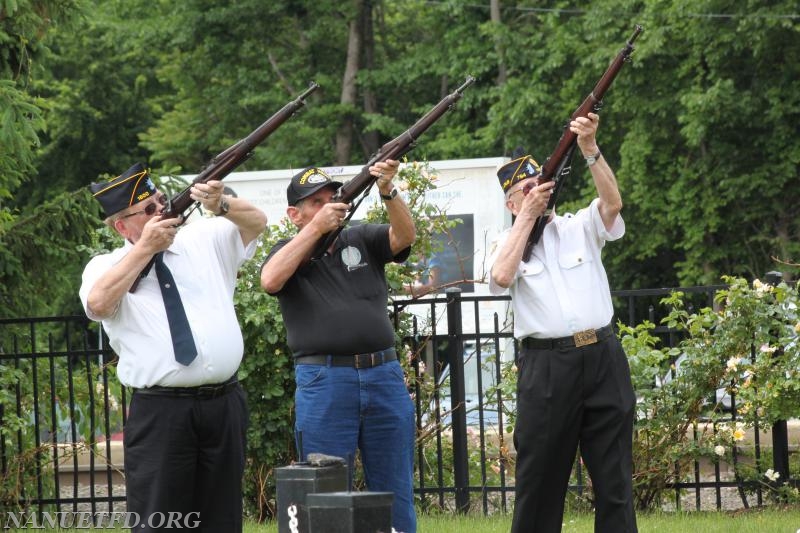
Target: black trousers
x=566 y=398
x=186 y=455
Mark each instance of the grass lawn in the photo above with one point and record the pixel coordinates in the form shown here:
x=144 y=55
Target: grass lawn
x=769 y=520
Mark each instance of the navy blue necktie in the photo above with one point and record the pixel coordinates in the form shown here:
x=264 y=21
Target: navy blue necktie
x=182 y=340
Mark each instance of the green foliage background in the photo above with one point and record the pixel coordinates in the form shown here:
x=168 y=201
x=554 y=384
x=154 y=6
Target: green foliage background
x=701 y=128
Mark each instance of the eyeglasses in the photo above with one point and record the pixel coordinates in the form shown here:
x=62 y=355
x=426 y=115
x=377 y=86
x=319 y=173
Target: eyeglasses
x=525 y=189
x=161 y=200
x=521 y=189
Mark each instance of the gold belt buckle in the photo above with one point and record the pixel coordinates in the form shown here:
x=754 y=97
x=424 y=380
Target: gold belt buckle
x=585 y=337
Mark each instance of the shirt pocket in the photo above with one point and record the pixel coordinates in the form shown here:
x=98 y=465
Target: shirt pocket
x=364 y=282
x=576 y=264
x=532 y=271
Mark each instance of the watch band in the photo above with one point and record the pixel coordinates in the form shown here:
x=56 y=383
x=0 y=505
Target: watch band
x=224 y=207
x=389 y=196
x=592 y=159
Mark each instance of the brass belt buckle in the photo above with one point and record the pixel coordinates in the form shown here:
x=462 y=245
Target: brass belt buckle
x=587 y=336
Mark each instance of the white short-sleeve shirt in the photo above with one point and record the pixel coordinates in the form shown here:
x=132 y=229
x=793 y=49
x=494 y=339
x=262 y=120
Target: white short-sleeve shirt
x=563 y=288
x=204 y=260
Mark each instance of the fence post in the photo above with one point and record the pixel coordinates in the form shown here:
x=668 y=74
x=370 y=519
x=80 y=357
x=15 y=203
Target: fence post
x=455 y=358
x=780 y=430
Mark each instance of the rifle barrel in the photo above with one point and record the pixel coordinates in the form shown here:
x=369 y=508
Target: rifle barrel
x=393 y=149
x=226 y=161
x=556 y=166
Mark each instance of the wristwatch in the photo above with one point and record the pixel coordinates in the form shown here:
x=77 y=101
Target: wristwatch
x=224 y=206
x=391 y=194
x=592 y=159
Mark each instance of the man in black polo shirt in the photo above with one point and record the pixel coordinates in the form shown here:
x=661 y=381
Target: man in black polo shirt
x=351 y=393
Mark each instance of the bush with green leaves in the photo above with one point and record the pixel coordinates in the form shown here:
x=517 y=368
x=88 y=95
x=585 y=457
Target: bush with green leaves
x=745 y=345
x=744 y=348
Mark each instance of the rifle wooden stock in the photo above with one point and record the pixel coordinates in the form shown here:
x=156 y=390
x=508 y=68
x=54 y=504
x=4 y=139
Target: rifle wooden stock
x=557 y=165
x=225 y=162
x=394 y=149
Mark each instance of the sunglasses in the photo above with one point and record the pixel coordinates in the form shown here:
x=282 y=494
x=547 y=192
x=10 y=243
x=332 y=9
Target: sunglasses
x=161 y=201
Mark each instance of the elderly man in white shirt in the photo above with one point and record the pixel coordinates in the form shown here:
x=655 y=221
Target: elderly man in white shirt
x=184 y=438
x=573 y=386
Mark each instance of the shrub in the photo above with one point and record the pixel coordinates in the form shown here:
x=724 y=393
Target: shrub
x=746 y=345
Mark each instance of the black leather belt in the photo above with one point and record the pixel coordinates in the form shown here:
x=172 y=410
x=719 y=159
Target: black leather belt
x=201 y=392
x=359 y=360
x=581 y=338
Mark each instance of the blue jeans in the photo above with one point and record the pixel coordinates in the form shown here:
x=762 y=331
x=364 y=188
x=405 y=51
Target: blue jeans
x=340 y=409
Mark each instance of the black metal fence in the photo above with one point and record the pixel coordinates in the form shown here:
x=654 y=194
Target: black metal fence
x=58 y=380
x=462 y=344
x=61 y=447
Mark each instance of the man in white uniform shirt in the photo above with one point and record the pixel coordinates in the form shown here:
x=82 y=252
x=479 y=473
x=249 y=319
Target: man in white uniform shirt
x=184 y=438
x=573 y=383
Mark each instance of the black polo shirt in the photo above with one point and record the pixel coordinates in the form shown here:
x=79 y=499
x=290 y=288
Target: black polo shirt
x=337 y=304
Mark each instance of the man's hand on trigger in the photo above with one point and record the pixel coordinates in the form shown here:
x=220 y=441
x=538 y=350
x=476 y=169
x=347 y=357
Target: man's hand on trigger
x=535 y=202
x=330 y=216
x=158 y=234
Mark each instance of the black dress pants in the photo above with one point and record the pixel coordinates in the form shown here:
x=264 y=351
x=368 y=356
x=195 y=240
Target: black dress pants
x=566 y=398
x=184 y=458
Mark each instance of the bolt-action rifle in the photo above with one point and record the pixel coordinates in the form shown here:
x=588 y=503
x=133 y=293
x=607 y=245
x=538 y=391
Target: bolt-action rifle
x=393 y=149
x=557 y=166
x=224 y=163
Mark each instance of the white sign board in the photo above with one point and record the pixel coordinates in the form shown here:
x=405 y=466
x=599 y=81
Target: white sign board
x=466 y=189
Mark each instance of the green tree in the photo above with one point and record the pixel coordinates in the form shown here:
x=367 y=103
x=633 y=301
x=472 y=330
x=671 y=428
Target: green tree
x=232 y=68
x=100 y=92
x=40 y=263
x=24 y=28
x=37 y=248
x=708 y=160
x=699 y=127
